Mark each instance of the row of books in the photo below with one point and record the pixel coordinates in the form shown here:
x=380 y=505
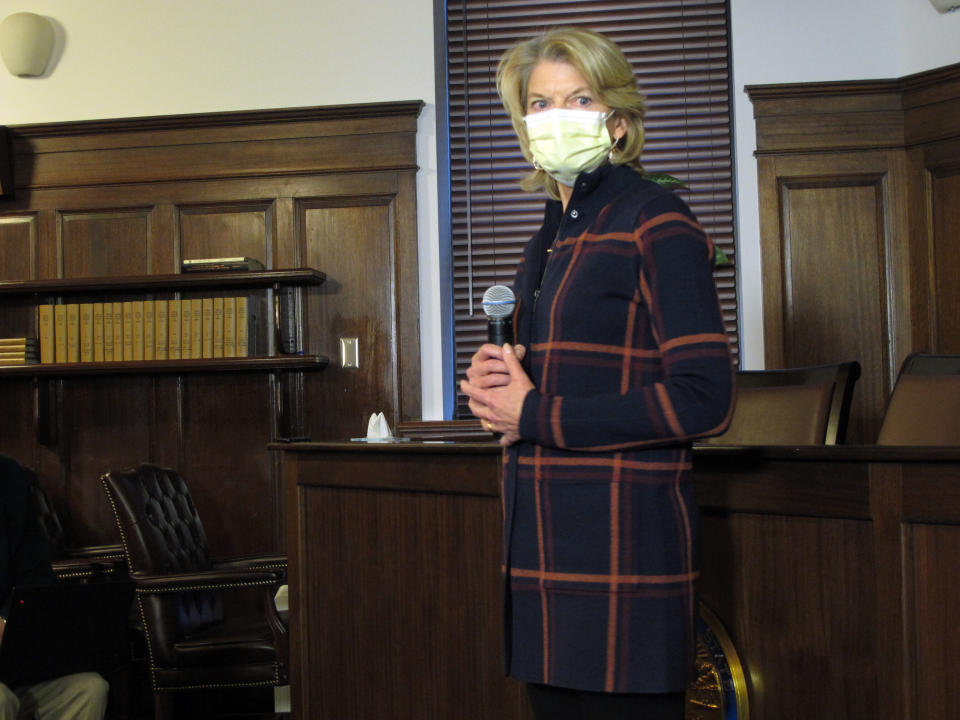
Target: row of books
x=208 y=327
x=19 y=351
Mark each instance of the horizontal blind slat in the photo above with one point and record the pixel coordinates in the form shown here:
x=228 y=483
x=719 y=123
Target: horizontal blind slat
x=679 y=52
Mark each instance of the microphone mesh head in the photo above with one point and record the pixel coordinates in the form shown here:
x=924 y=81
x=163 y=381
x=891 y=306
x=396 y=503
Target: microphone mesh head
x=498 y=301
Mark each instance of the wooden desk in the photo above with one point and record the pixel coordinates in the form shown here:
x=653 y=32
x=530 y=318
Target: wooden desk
x=834 y=570
x=395 y=592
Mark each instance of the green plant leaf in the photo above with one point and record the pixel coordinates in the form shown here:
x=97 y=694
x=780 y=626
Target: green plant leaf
x=720 y=257
x=665 y=180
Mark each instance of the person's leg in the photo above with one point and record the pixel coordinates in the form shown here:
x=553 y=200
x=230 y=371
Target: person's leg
x=9 y=704
x=554 y=703
x=81 y=696
x=617 y=706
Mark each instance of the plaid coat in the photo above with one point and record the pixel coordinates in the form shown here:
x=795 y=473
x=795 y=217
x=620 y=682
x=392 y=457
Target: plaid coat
x=628 y=355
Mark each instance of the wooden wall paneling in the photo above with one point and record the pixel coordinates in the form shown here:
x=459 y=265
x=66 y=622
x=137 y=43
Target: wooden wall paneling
x=367 y=247
x=352 y=239
x=18 y=246
x=131 y=197
x=104 y=243
x=17 y=433
x=407 y=300
x=227 y=230
x=945 y=237
x=901 y=138
x=105 y=423
x=826 y=288
x=227 y=420
x=243 y=144
x=18 y=259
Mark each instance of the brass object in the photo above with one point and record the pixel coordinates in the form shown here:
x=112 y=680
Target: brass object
x=719 y=691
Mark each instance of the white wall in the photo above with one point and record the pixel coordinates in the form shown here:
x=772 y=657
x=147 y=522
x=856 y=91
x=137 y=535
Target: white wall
x=124 y=58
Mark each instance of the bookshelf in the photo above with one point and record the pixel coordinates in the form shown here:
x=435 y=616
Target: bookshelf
x=332 y=188
x=281 y=308
x=50 y=291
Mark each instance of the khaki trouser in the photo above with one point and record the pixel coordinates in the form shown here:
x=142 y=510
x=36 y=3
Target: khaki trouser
x=82 y=696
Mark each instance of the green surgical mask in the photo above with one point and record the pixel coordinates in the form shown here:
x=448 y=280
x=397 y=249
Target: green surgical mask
x=566 y=143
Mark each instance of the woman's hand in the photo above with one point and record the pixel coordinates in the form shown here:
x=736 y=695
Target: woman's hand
x=496 y=385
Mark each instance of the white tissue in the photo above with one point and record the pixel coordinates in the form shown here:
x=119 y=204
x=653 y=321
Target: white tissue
x=377 y=427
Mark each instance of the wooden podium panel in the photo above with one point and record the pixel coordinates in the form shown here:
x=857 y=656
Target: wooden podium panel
x=395 y=588
x=833 y=569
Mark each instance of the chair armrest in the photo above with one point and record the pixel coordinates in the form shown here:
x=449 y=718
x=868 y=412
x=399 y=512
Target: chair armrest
x=88 y=562
x=147 y=583
x=252 y=562
x=93 y=552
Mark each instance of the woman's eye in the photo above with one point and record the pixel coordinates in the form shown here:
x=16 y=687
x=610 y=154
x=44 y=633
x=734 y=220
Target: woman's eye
x=538 y=105
x=583 y=101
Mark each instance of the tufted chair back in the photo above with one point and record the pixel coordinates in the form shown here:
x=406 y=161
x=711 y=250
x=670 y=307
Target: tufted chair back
x=195 y=641
x=162 y=534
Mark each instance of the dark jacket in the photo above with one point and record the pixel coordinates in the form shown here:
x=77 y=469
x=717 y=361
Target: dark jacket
x=24 y=549
x=627 y=351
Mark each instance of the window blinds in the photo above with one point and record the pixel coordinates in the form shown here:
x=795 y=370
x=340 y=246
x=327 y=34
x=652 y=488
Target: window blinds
x=679 y=50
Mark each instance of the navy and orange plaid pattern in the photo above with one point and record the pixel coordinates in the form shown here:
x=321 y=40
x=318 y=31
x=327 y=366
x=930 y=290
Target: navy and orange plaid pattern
x=630 y=361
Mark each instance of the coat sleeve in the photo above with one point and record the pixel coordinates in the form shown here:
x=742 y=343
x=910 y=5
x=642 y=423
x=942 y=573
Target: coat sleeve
x=692 y=398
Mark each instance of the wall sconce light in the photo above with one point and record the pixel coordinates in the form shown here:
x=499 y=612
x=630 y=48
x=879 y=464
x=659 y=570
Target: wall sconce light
x=945 y=6
x=26 y=42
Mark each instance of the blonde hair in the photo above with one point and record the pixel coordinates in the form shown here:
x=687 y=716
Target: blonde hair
x=605 y=68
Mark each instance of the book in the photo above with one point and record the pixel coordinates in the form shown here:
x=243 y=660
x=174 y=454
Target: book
x=19 y=354
x=173 y=329
x=243 y=323
x=206 y=326
x=118 y=339
x=196 y=328
x=18 y=341
x=186 y=328
x=221 y=264
x=149 y=329
x=108 y=332
x=218 y=329
x=73 y=332
x=45 y=329
x=128 y=329
x=19 y=361
x=98 y=332
x=60 y=333
x=161 y=330
x=86 y=332
x=137 y=336
x=229 y=327
x=288 y=320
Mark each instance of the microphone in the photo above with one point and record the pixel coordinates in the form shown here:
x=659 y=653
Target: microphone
x=498 y=305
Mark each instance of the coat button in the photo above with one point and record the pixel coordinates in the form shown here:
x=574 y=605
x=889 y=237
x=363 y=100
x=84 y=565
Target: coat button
x=574 y=214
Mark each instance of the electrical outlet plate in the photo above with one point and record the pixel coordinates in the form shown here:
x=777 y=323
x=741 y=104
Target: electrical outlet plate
x=349 y=352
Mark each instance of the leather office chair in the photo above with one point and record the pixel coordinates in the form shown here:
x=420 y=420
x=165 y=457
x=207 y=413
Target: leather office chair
x=192 y=642
x=793 y=406
x=924 y=408
x=71 y=562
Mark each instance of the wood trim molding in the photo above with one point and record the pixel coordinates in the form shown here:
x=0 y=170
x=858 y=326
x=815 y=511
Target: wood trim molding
x=239 y=118
x=857 y=114
x=263 y=143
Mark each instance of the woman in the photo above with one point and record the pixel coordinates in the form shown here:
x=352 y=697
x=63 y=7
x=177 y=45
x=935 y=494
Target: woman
x=624 y=362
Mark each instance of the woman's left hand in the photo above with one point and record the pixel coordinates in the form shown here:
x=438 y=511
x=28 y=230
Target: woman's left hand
x=499 y=407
